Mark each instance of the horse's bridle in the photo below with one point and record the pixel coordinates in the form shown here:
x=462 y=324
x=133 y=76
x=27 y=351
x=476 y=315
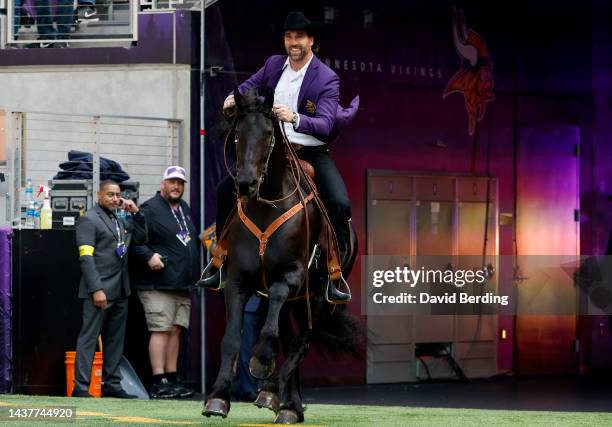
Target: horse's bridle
x=272 y=141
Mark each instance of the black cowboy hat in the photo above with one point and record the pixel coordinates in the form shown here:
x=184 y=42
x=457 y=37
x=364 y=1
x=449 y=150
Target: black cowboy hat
x=298 y=21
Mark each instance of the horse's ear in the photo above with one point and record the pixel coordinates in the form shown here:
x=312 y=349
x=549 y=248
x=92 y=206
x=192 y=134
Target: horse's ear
x=268 y=98
x=238 y=98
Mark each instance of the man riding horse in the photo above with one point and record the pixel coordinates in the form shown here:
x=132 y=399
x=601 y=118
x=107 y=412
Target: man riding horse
x=306 y=95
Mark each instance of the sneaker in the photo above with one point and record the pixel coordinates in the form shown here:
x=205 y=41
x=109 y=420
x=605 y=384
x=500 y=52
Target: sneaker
x=87 y=14
x=182 y=391
x=163 y=390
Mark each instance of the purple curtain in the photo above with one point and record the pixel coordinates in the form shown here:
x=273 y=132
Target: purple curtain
x=5 y=310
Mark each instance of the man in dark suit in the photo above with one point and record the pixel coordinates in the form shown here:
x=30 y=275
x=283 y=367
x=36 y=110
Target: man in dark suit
x=103 y=240
x=306 y=95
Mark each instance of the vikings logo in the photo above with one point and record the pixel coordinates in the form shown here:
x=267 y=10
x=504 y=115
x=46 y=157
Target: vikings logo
x=475 y=81
x=311 y=108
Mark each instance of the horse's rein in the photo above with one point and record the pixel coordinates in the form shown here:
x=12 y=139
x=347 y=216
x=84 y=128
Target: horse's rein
x=296 y=167
x=231 y=130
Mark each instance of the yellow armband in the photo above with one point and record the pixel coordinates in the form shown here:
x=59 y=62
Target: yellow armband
x=86 y=250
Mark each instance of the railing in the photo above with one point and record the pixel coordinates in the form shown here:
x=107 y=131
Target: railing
x=65 y=23
x=170 y=4
x=37 y=143
x=175 y=4
x=43 y=22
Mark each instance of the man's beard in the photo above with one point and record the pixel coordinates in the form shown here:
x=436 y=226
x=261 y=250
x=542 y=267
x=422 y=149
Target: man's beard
x=299 y=56
x=173 y=199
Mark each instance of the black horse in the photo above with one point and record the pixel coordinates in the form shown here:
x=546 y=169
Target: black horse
x=269 y=183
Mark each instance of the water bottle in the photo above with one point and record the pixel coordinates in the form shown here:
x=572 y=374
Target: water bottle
x=36 y=215
x=23 y=207
x=30 y=215
x=29 y=191
x=28 y=196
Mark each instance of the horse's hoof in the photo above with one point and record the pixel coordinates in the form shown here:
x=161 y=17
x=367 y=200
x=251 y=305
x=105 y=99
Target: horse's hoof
x=216 y=407
x=267 y=399
x=287 y=416
x=259 y=370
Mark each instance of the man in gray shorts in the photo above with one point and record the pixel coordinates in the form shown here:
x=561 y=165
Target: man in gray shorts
x=167 y=267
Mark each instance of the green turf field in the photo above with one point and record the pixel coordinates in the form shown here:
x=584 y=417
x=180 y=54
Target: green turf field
x=101 y=412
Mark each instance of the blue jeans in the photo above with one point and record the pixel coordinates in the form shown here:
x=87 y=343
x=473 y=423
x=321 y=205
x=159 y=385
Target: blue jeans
x=63 y=19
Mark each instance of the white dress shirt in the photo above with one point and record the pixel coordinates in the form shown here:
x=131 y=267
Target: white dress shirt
x=287 y=92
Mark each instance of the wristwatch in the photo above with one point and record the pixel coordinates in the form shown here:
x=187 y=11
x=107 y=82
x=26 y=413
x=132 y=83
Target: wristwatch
x=294 y=119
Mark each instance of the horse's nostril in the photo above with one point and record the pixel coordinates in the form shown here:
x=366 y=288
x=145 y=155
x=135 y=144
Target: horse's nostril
x=247 y=188
x=243 y=188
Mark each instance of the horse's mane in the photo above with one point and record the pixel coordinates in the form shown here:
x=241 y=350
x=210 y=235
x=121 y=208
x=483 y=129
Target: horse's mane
x=254 y=102
x=252 y=98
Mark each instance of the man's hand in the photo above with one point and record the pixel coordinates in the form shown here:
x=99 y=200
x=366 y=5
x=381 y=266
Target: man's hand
x=229 y=102
x=283 y=113
x=128 y=205
x=155 y=262
x=99 y=299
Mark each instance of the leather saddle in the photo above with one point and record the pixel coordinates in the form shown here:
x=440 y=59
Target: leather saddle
x=307 y=168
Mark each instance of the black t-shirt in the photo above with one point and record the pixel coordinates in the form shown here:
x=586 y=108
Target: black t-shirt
x=172 y=234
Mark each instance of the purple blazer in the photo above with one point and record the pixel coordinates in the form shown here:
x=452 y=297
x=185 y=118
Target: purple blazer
x=320 y=113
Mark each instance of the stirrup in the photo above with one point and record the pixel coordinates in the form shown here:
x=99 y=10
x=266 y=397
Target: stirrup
x=346 y=286
x=199 y=284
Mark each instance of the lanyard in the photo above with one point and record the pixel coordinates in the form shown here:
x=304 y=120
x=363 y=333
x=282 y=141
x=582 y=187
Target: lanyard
x=185 y=230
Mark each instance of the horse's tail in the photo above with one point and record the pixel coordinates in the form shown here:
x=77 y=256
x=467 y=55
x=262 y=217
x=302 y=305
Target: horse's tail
x=339 y=332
